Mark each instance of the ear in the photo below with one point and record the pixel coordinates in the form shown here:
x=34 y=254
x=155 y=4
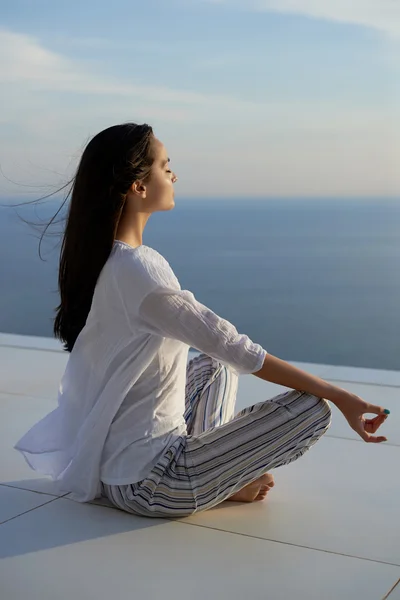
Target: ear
x=138 y=189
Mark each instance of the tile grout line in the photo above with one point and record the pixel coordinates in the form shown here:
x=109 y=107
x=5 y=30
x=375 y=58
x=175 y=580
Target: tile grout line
x=341 y=437
x=37 y=349
x=231 y=533
x=30 y=395
x=18 y=487
x=392 y=589
x=268 y=540
x=31 y=510
x=256 y=537
x=333 y=378
x=385 y=385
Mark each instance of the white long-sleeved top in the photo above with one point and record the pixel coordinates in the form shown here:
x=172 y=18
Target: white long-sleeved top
x=121 y=399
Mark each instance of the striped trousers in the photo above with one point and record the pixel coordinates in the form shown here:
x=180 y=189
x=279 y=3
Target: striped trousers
x=222 y=453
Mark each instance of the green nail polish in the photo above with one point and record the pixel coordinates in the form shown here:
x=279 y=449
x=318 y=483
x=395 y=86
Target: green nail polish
x=387 y=412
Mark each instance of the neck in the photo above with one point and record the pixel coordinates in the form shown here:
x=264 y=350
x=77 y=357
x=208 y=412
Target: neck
x=131 y=226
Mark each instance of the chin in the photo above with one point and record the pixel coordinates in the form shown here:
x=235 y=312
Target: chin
x=167 y=206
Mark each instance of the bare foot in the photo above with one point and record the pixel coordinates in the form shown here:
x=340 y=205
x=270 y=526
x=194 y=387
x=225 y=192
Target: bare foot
x=254 y=491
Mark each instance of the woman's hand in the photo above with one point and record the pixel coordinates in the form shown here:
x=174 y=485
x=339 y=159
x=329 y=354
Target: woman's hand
x=353 y=408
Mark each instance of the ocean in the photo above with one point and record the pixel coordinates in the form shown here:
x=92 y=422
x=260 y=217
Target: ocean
x=312 y=280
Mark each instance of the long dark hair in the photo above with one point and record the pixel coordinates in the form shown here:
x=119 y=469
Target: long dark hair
x=110 y=163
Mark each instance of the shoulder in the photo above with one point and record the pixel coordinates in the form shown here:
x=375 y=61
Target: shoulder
x=142 y=265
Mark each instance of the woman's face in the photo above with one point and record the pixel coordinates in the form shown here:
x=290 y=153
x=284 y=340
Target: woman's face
x=159 y=187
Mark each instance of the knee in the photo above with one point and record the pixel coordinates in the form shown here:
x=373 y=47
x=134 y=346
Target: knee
x=323 y=412
x=208 y=362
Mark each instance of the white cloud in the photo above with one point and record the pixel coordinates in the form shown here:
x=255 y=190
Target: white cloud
x=220 y=145
x=23 y=60
x=51 y=105
x=383 y=15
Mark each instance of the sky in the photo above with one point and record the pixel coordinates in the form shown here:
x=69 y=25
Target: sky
x=252 y=98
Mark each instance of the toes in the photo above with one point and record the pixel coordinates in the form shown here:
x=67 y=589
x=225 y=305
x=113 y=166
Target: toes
x=256 y=490
x=261 y=496
x=268 y=479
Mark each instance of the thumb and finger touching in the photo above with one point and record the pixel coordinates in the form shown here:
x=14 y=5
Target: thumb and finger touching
x=365 y=427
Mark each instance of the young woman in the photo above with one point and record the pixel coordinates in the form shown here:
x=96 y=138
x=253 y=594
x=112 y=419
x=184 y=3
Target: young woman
x=135 y=423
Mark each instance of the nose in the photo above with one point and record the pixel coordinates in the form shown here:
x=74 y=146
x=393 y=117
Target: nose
x=174 y=178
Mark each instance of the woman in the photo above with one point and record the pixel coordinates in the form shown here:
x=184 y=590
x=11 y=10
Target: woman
x=134 y=422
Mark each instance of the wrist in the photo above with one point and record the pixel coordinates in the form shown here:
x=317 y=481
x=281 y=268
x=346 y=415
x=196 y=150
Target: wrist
x=338 y=396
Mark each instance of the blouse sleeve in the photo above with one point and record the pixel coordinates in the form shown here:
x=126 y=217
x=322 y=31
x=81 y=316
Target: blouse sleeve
x=178 y=315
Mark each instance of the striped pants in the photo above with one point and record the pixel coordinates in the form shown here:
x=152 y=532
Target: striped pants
x=222 y=453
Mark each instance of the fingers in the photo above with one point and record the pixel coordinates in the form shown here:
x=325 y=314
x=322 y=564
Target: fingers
x=372 y=425
x=377 y=410
x=367 y=437
x=375 y=440
x=366 y=428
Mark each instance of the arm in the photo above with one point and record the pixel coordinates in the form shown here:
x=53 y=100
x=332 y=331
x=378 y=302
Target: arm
x=351 y=405
x=176 y=314
x=282 y=373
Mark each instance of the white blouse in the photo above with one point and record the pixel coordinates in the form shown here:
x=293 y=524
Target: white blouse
x=121 y=399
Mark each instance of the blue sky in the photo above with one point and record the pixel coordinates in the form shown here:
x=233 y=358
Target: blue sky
x=253 y=98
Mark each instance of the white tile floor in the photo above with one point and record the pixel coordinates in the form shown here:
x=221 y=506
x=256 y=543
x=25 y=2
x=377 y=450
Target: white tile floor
x=330 y=529
x=17 y=414
x=342 y=497
x=15 y=502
